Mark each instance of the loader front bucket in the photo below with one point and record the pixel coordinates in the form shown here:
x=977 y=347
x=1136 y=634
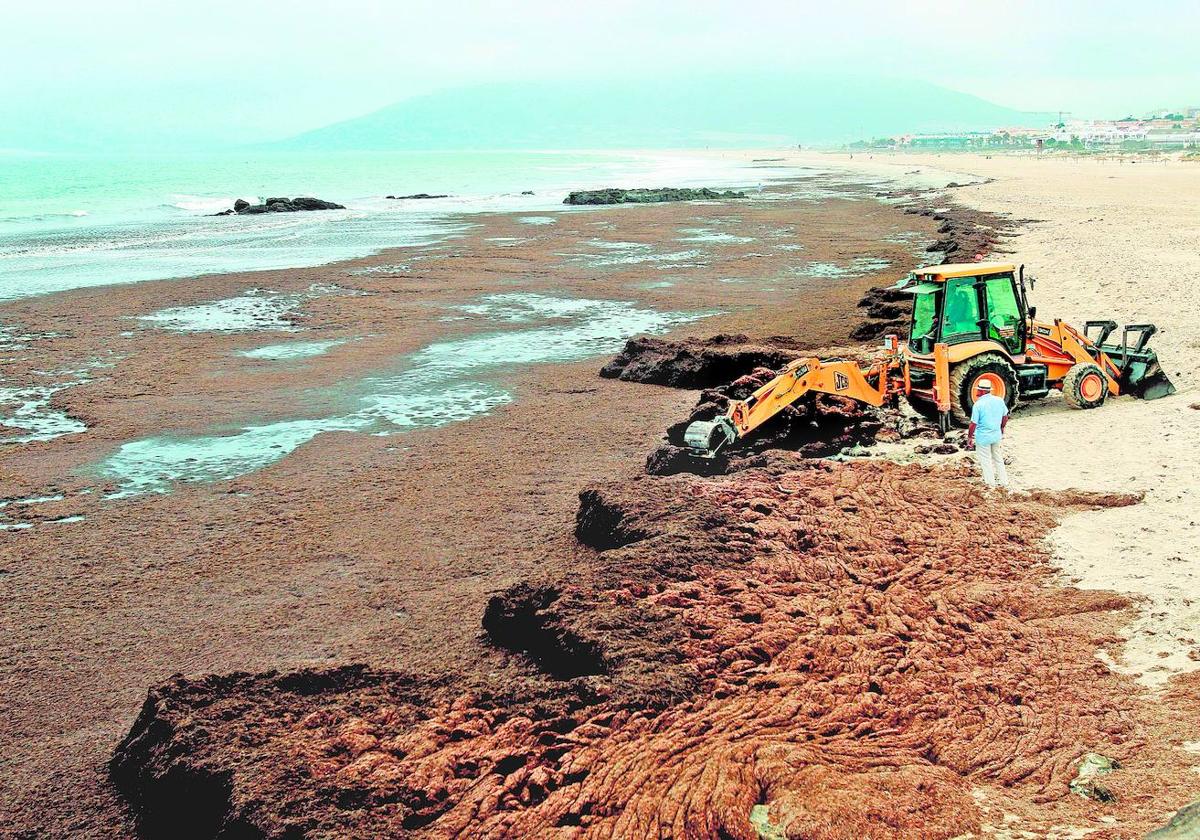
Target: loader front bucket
x=1141 y=374
x=1150 y=384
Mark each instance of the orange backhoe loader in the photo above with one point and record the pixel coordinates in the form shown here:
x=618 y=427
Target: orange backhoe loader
x=970 y=322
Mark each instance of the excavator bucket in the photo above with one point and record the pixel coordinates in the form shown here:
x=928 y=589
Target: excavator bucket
x=708 y=437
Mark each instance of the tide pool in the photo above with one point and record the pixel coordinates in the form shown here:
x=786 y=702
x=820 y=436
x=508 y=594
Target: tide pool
x=29 y=412
x=254 y=310
x=857 y=267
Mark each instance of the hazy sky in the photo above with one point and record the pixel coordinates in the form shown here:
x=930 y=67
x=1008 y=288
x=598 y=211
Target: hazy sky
x=259 y=69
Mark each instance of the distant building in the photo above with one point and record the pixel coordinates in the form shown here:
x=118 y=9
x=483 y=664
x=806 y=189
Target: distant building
x=1164 y=129
x=945 y=141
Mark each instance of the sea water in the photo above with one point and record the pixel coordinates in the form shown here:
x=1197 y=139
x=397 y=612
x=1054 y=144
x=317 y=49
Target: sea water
x=292 y=350
x=68 y=221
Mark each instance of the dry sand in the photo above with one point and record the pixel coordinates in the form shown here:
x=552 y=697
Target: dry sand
x=1120 y=240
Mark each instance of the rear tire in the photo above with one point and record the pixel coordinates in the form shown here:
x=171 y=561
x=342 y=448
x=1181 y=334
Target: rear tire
x=1085 y=386
x=965 y=376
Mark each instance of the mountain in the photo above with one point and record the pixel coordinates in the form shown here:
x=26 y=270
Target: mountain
x=730 y=111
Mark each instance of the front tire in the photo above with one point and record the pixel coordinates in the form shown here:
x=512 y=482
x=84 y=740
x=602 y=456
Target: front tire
x=1085 y=386
x=966 y=376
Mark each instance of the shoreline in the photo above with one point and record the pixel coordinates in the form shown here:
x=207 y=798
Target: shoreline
x=434 y=272
x=160 y=240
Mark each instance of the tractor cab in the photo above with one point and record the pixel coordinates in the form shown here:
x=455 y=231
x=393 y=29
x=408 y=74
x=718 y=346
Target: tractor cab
x=958 y=303
x=969 y=324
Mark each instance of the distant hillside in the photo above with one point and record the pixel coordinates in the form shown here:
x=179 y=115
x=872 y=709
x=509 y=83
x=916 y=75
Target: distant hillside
x=664 y=113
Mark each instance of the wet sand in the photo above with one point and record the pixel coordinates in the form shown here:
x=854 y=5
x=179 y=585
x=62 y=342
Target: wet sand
x=353 y=548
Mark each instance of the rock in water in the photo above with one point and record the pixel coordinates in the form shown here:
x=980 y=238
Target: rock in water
x=305 y=202
x=280 y=204
x=646 y=196
x=416 y=195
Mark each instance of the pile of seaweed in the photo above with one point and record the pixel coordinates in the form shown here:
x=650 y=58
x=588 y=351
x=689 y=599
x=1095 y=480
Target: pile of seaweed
x=789 y=644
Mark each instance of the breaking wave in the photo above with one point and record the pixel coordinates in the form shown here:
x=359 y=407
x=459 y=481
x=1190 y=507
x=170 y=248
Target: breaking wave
x=207 y=204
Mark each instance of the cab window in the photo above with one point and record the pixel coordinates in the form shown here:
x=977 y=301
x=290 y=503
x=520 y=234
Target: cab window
x=1003 y=314
x=961 y=321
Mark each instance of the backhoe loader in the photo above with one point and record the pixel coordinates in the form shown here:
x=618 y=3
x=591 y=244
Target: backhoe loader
x=970 y=323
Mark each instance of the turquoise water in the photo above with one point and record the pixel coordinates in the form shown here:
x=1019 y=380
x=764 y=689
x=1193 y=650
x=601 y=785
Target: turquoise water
x=27 y=412
x=69 y=221
x=857 y=267
x=714 y=236
x=445 y=382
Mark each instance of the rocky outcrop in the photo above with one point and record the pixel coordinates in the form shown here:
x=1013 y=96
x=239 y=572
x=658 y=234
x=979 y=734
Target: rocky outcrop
x=416 y=195
x=242 y=207
x=647 y=196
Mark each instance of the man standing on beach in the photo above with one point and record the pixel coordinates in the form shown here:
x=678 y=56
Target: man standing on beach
x=989 y=416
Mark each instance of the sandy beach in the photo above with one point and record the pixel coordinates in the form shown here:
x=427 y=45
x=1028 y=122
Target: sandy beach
x=710 y=650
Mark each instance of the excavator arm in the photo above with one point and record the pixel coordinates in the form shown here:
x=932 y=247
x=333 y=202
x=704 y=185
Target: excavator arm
x=826 y=376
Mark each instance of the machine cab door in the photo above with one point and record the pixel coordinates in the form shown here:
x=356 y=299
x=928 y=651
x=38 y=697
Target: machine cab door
x=961 y=320
x=1004 y=322
x=923 y=328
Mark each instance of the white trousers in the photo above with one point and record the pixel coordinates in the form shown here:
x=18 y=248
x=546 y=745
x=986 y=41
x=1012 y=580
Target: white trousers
x=991 y=464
